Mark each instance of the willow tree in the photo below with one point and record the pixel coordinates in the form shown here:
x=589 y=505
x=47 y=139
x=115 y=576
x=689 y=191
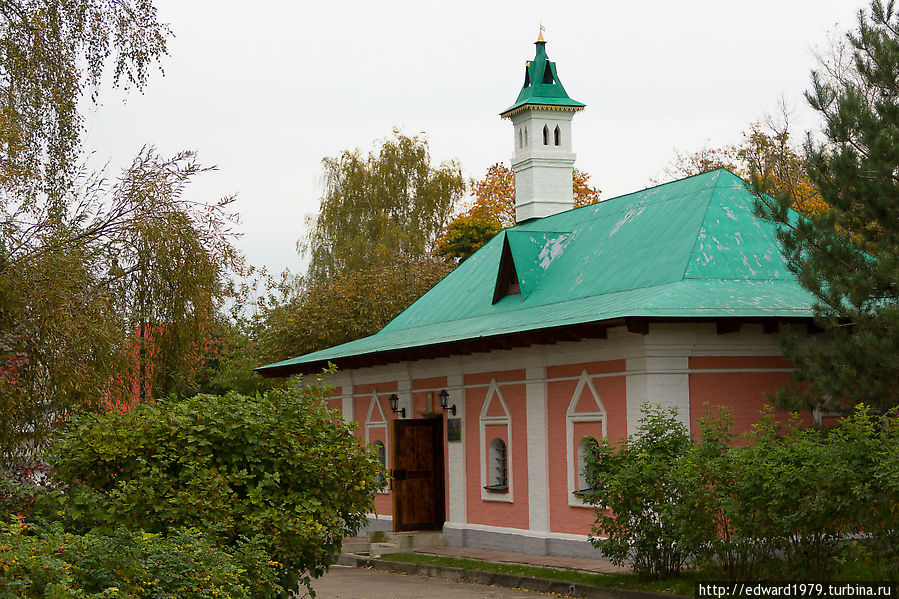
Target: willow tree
x=169 y=265
x=111 y=300
x=51 y=53
x=59 y=323
x=387 y=205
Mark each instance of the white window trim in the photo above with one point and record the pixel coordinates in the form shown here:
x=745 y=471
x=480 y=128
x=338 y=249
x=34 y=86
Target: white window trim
x=375 y=404
x=493 y=393
x=572 y=416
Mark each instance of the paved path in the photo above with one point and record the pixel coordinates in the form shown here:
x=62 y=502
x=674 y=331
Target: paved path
x=346 y=582
x=600 y=566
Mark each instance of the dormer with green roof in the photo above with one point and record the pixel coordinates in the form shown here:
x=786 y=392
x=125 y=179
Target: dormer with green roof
x=541 y=120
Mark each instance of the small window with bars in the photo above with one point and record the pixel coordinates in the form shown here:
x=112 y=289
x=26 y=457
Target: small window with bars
x=498 y=467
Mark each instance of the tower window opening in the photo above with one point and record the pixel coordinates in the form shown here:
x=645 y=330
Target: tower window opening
x=525 y=137
x=527 y=77
x=557 y=136
x=520 y=138
x=548 y=74
x=545 y=135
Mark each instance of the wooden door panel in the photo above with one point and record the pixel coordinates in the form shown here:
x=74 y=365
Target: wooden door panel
x=417 y=487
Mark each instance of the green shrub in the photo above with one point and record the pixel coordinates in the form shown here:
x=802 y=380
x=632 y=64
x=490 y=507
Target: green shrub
x=45 y=562
x=792 y=502
x=656 y=520
x=276 y=466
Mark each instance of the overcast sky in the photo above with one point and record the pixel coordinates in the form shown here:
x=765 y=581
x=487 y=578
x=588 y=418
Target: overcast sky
x=266 y=93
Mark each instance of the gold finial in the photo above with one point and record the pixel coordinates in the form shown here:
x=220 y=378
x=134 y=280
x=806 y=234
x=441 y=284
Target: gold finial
x=540 y=35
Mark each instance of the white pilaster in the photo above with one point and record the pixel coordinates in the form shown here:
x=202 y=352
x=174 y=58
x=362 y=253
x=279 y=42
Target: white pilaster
x=538 y=474
x=345 y=380
x=404 y=392
x=456 y=455
x=346 y=406
x=660 y=375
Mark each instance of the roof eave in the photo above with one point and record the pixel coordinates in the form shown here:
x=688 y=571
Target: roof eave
x=544 y=336
x=516 y=108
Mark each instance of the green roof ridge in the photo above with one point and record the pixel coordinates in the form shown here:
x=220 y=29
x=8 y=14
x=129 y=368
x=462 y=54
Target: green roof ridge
x=542 y=87
x=689 y=260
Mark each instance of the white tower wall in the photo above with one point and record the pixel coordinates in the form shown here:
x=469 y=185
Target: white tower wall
x=542 y=170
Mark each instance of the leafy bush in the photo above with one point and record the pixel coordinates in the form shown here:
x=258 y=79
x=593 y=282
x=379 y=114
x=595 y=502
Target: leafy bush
x=650 y=488
x=792 y=502
x=45 y=562
x=277 y=466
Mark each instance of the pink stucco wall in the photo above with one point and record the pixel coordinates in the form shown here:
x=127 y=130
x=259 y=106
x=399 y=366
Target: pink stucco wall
x=611 y=388
x=739 y=383
x=512 y=387
x=361 y=402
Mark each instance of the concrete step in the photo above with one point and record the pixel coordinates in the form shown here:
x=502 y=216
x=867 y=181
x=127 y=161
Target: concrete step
x=379 y=549
x=409 y=540
x=355 y=546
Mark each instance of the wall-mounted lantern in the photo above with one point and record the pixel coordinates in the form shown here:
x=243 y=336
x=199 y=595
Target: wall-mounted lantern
x=393 y=399
x=444 y=400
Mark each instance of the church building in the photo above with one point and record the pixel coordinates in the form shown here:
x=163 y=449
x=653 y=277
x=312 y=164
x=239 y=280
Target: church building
x=485 y=394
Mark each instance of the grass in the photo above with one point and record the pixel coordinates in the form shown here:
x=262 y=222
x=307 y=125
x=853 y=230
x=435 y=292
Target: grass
x=677 y=586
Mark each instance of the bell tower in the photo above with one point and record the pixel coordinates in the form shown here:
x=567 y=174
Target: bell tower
x=541 y=121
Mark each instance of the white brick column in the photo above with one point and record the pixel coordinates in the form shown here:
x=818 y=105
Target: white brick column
x=657 y=380
x=538 y=475
x=455 y=452
x=404 y=393
x=345 y=382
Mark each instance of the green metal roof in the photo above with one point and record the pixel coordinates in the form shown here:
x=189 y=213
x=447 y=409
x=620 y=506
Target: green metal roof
x=688 y=249
x=542 y=87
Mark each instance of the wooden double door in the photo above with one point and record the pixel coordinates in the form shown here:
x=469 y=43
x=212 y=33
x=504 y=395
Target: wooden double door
x=417 y=472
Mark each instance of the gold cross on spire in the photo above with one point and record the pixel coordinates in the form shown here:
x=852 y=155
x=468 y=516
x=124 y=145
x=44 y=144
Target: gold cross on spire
x=540 y=35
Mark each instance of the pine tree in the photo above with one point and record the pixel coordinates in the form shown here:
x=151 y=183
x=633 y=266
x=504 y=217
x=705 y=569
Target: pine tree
x=848 y=255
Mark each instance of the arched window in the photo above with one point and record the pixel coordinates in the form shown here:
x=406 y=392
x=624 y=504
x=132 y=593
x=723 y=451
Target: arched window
x=496 y=447
x=545 y=135
x=585 y=421
x=382 y=460
x=584 y=449
x=557 y=136
x=525 y=137
x=499 y=468
x=520 y=138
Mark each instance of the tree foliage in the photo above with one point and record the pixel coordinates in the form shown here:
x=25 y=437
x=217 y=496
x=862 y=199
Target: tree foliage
x=785 y=502
x=354 y=304
x=168 y=264
x=494 y=210
x=64 y=320
x=848 y=255
x=389 y=204
x=109 y=298
x=646 y=514
x=50 y=53
x=766 y=154
x=277 y=467
x=41 y=561
x=370 y=247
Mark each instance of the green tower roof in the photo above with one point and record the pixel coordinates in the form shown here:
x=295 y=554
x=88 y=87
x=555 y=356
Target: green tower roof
x=690 y=249
x=542 y=87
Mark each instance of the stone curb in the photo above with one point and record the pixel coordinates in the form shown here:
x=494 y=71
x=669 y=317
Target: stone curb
x=512 y=581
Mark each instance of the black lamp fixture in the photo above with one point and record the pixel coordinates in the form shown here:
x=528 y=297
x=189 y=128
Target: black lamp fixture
x=393 y=399
x=444 y=399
